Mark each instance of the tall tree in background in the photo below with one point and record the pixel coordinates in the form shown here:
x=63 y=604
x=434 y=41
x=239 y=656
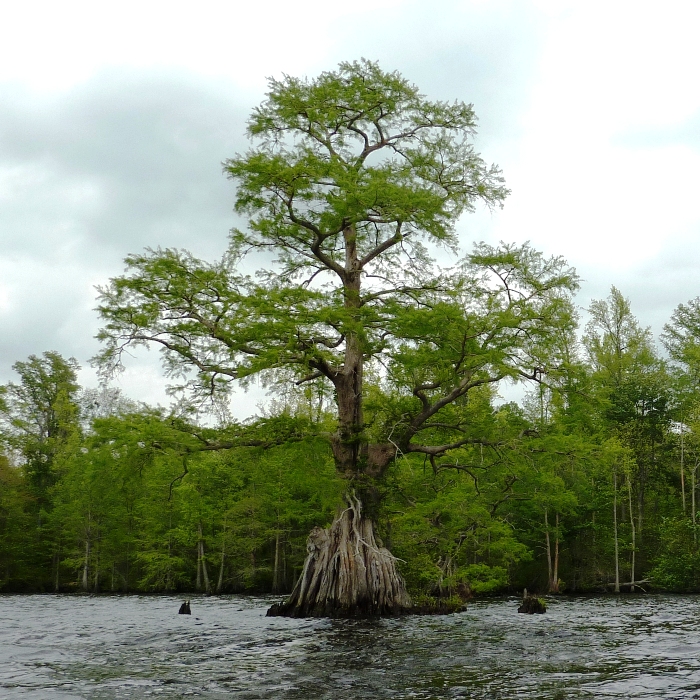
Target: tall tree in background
x=39 y=415
x=681 y=337
x=635 y=394
x=352 y=174
x=39 y=424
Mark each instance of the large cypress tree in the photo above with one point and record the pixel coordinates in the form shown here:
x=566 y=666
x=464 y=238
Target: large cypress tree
x=350 y=176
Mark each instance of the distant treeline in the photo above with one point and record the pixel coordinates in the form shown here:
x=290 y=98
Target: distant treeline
x=589 y=484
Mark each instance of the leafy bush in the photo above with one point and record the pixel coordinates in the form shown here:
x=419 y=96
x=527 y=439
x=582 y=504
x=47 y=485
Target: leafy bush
x=677 y=567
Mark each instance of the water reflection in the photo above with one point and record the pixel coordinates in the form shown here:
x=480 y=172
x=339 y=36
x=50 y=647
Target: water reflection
x=139 y=647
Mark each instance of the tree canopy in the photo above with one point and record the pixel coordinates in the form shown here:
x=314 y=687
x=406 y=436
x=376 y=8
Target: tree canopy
x=387 y=432
x=353 y=175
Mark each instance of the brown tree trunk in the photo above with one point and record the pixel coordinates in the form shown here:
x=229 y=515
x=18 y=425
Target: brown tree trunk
x=552 y=566
x=203 y=562
x=634 y=538
x=276 y=567
x=617 y=547
x=86 y=565
x=220 y=582
x=349 y=379
x=347 y=573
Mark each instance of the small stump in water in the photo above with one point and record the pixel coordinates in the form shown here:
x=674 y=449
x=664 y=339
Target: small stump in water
x=532 y=605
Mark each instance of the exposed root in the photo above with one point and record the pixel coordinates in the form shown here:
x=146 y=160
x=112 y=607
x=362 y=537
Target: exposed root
x=346 y=574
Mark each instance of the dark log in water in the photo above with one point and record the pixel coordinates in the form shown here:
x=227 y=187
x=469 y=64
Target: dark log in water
x=346 y=573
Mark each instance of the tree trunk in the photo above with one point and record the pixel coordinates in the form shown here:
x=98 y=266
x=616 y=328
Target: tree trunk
x=276 y=567
x=57 y=560
x=549 y=551
x=86 y=566
x=634 y=539
x=198 y=581
x=682 y=467
x=203 y=561
x=617 y=548
x=552 y=566
x=96 y=584
x=693 y=475
x=555 y=577
x=220 y=582
x=346 y=573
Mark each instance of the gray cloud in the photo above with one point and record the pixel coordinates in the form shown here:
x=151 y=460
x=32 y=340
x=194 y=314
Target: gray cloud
x=123 y=162
x=483 y=53
x=131 y=159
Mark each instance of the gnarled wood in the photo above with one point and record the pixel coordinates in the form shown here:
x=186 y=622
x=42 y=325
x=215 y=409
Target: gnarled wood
x=346 y=573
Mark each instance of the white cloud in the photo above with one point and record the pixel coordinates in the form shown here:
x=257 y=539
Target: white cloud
x=55 y=46
x=606 y=170
x=114 y=119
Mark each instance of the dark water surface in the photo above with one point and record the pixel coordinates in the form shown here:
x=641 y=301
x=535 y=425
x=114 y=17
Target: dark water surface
x=60 y=647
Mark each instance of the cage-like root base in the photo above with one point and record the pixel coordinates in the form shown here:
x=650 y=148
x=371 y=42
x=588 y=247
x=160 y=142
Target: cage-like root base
x=346 y=574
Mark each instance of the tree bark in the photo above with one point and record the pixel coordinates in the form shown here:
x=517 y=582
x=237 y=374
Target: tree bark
x=203 y=562
x=276 y=568
x=86 y=565
x=634 y=538
x=347 y=573
x=220 y=582
x=552 y=566
x=617 y=548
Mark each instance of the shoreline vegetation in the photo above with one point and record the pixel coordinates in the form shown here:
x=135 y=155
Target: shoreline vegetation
x=386 y=475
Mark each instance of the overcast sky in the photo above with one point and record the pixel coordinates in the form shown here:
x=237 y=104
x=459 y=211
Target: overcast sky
x=115 y=118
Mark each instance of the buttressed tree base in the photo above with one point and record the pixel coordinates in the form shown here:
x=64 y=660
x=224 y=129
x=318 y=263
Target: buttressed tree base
x=352 y=176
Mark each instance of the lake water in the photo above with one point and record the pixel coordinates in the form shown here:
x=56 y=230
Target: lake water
x=63 y=647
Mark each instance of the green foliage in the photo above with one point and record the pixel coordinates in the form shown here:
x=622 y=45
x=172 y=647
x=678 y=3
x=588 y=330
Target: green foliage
x=482 y=578
x=15 y=522
x=677 y=564
x=377 y=353
x=349 y=176
x=40 y=415
x=681 y=337
x=362 y=147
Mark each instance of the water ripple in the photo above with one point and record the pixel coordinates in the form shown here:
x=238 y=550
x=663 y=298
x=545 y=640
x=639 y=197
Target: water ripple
x=63 y=648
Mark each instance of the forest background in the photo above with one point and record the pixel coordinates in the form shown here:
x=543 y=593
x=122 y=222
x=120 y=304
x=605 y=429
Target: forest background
x=110 y=187
x=588 y=484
